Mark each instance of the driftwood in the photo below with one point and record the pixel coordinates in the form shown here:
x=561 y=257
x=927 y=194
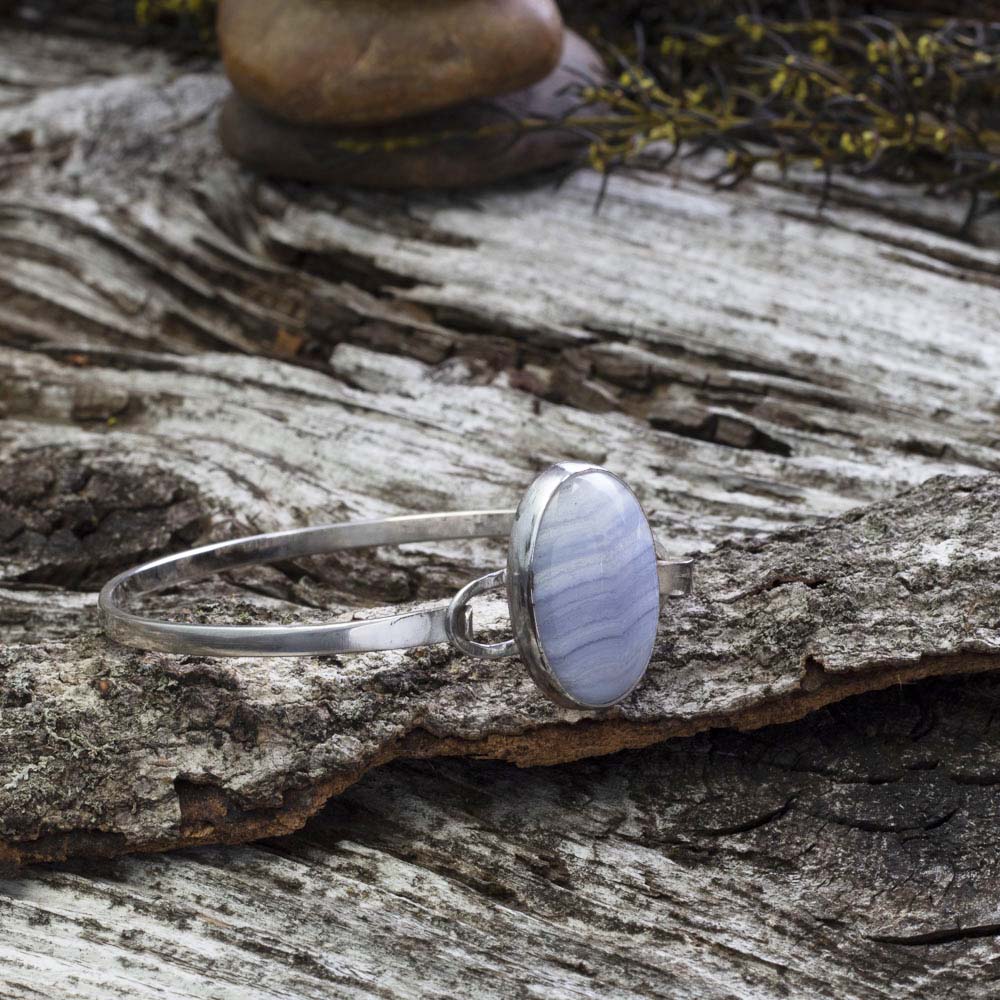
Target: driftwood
x=848 y=855
x=108 y=749
x=807 y=402
x=419 y=375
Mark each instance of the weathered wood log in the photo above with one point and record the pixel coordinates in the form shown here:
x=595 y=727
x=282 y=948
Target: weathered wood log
x=418 y=374
x=109 y=749
x=849 y=855
x=807 y=402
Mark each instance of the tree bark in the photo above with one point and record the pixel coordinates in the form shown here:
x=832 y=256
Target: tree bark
x=716 y=349
x=805 y=402
x=851 y=855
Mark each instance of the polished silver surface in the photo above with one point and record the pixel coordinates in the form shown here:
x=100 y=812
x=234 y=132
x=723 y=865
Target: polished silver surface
x=459 y=619
x=417 y=628
x=445 y=622
x=676 y=578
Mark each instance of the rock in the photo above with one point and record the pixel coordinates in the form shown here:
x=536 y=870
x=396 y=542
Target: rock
x=350 y=62
x=431 y=151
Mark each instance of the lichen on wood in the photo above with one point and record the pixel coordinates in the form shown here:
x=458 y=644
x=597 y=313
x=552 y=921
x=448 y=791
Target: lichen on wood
x=850 y=854
x=804 y=402
x=377 y=377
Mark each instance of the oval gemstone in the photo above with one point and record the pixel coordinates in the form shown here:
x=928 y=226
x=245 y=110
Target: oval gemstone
x=595 y=592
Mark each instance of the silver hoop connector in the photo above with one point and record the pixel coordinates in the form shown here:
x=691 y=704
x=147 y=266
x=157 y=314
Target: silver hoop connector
x=459 y=619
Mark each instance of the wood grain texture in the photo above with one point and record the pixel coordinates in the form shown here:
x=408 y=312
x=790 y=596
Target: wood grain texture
x=190 y=354
x=851 y=854
x=809 y=404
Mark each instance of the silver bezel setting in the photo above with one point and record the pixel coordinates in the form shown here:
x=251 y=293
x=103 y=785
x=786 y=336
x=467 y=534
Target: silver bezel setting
x=520 y=577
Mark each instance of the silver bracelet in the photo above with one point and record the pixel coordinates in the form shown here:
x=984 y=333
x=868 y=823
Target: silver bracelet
x=583 y=583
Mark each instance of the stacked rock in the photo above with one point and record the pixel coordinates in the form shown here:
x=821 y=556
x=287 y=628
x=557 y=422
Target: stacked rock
x=400 y=93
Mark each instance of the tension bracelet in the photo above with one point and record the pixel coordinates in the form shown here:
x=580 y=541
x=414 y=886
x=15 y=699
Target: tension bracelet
x=583 y=586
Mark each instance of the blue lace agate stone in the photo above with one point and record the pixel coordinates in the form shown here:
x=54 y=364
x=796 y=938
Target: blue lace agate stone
x=595 y=592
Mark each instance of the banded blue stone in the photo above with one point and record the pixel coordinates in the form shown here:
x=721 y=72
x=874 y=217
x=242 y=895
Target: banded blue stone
x=595 y=593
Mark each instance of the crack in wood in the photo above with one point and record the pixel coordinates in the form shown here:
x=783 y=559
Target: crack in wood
x=784 y=392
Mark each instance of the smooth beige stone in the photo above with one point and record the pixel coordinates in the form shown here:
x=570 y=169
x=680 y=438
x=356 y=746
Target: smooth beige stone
x=339 y=62
x=424 y=152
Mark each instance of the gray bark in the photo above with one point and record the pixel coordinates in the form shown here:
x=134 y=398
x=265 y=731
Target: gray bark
x=807 y=403
x=849 y=855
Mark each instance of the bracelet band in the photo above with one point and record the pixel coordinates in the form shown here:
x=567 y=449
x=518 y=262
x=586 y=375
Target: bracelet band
x=417 y=628
x=582 y=578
